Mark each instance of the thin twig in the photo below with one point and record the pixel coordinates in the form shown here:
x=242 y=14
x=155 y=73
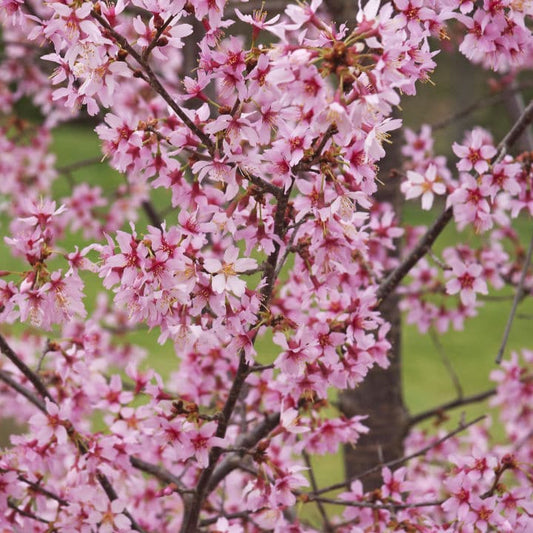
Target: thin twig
x=420 y=250
x=453 y=404
x=314 y=486
x=25 y=369
x=159 y=472
x=245 y=515
x=247 y=442
x=406 y=458
x=373 y=505
x=516 y=300
x=152 y=214
x=45 y=492
x=515 y=132
x=486 y=101
x=72 y=167
x=155 y=39
x=15 y=385
x=447 y=363
x=28 y=514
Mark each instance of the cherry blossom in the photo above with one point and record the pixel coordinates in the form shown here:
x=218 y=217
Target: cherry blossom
x=426 y=185
x=242 y=229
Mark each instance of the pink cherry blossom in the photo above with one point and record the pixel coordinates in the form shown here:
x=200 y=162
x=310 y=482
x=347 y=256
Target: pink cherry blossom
x=426 y=185
x=466 y=280
x=226 y=272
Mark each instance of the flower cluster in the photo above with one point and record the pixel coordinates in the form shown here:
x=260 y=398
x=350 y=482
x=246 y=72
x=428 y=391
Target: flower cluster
x=247 y=231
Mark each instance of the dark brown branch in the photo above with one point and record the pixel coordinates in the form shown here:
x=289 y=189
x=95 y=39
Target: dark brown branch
x=371 y=505
x=453 y=404
x=247 y=442
x=516 y=131
x=192 y=512
x=262 y=184
x=155 y=40
x=420 y=250
x=245 y=515
x=34 y=379
x=160 y=473
x=308 y=162
x=397 y=462
x=112 y=496
x=41 y=490
x=152 y=214
x=15 y=385
x=28 y=514
x=154 y=82
x=423 y=451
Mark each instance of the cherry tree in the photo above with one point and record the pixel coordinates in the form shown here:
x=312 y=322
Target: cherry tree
x=258 y=172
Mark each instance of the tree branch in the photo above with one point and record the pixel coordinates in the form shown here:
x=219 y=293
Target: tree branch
x=420 y=250
x=154 y=82
x=28 y=514
x=34 y=379
x=319 y=501
x=518 y=295
x=152 y=214
x=453 y=404
x=160 y=473
x=8 y=380
x=247 y=441
x=515 y=132
x=397 y=462
x=486 y=101
x=372 y=505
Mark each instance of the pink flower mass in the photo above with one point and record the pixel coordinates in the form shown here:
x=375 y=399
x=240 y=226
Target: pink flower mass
x=184 y=312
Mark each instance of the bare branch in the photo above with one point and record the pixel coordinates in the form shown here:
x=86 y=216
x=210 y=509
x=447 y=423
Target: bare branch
x=15 y=385
x=515 y=132
x=247 y=442
x=486 y=101
x=152 y=214
x=160 y=473
x=458 y=402
x=155 y=39
x=28 y=514
x=517 y=297
x=45 y=492
x=371 y=505
x=72 y=167
x=420 y=250
x=25 y=369
x=397 y=462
